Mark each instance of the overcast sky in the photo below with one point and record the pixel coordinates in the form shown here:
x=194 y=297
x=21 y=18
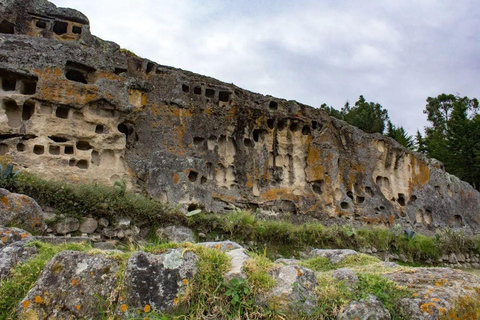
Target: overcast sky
x=396 y=53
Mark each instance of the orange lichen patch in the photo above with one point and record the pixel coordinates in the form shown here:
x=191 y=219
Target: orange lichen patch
x=176 y=178
x=92 y=273
x=232 y=114
x=4 y=239
x=123 y=307
x=26 y=304
x=38 y=299
x=229 y=247
x=441 y=282
x=223 y=197
x=109 y=76
x=307 y=285
x=435 y=300
x=78 y=307
x=420 y=174
x=23 y=235
x=175 y=301
x=5 y=201
x=185 y=281
x=217 y=246
x=428 y=307
x=75 y=282
x=147 y=308
x=281 y=193
x=299 y=273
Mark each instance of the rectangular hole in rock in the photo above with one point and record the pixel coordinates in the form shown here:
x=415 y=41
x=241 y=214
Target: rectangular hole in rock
x=9 y=84
x=7 y=27
x=28 y=110
x=28 y=87
x=38 y=149
x=197 y=90
x=198 y=141
x=273 y=105
x=150 y=67
x=62 y=112
x=119 y=71
x=78 y=72
x=21 y=147
x=58 y=139
x=41 y=24
x=99 y=128
x=210 y=93
x=82 y=164
x=55 y=150
x=68 y=150
x=185 y=88
x=224 y=96
x=76 y=29
x=60 y=27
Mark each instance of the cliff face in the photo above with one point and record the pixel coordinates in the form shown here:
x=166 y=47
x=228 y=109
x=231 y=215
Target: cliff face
x=79 y=108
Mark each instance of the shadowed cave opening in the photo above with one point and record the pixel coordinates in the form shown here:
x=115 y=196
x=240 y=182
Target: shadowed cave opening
x=60 y=27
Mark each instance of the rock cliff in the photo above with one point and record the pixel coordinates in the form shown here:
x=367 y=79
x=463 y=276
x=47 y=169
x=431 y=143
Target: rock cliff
x=79 y=108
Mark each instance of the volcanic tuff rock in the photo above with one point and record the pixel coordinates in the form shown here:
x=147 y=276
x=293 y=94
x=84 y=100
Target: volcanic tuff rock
x=76 y=107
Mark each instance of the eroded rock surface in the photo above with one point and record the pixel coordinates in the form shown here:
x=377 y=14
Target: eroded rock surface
x=20 y=210
x=76 y=107
x=294 y=289
x=369 y=309
x=437 y=291
x=13 y=250
x=73 y=285
x=157 y=280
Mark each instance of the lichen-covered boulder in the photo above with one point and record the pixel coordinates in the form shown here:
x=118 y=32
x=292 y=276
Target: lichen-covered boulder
x=13 y=249
x=20 y=210
x=294 y=290
x=438 y=292
x=334 y=255
x=73 y=285
x=176 y=234
x=156 y=280
x=368 y=309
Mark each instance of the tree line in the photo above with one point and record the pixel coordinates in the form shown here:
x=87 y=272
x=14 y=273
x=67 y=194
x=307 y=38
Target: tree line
x=452 y=135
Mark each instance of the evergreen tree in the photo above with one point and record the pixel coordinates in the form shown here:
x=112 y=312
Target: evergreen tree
x=400 y=135
x=454 y=136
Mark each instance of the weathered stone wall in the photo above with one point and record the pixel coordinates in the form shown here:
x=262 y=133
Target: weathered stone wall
x=79 y=108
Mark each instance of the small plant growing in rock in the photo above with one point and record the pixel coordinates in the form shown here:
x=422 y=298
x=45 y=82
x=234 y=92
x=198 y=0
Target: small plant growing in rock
x=410 y=234
x=239 y=291
x=7 y=172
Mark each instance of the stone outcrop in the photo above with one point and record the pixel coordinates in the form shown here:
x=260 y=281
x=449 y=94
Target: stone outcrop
x=20 y=210
x=78 y=108
x=72 y=285
x=13 y=250
x=158 y=280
